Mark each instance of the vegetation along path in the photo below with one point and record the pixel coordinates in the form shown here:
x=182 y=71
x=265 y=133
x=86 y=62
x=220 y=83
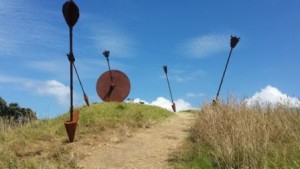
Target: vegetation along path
x=147 y=148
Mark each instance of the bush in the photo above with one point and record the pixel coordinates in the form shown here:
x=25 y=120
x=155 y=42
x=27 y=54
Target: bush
x=14 y=112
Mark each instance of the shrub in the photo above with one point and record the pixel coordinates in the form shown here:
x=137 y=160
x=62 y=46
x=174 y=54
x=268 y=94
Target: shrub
x=13 y=112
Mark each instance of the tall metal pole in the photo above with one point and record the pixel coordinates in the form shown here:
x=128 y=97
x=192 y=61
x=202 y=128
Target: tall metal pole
x=71 y=15
x=169 y=88
x=166 y=72
x=218 y=93
x=233 y=42
x=71 y=59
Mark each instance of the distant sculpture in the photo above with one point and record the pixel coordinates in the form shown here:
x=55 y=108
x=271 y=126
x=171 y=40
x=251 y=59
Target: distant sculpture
x=233 y=42
x=112 y=85
x=166 y=72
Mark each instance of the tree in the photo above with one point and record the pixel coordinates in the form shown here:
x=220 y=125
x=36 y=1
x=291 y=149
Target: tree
x=3 y=107
x=14 y=112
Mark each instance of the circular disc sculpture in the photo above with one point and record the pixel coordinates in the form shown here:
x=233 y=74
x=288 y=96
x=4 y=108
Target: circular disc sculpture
x=116 y=92
x=112 y=85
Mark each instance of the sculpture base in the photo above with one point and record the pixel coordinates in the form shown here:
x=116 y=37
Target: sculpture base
x=71 y=126
x=174 y=107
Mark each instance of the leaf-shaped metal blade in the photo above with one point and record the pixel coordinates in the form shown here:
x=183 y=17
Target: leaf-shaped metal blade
x=165 y=69
x=71 y=13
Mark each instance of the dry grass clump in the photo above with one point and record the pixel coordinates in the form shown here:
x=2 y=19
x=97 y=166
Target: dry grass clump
x=239 y=136
x=7 y=125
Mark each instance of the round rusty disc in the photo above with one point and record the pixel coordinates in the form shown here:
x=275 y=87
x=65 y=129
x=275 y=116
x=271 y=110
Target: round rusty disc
x=116 y=92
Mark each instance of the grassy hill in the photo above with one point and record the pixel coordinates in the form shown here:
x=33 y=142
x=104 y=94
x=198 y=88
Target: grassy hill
x=234 y=135
x=225 y=135
x=44 y=143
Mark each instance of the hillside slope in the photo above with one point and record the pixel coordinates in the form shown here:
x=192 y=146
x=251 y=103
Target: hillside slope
x=147 y=148
x=44 y=143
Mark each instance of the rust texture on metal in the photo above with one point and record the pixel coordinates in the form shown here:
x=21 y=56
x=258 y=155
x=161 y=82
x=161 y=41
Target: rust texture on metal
x=174 y=107
x=115 y=91
x=71 y=126
x=71 y=15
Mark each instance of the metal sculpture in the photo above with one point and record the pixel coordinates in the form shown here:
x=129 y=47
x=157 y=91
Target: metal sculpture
x=166 y=72
x=85 y=97
x=233 y=42
x=112 y=85
x=71 y=15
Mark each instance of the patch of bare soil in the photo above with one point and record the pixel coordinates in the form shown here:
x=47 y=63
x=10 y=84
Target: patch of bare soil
x=148 y=148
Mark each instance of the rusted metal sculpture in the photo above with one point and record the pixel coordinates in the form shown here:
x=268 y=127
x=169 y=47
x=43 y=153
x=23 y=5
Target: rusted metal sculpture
x=112 y=85
x=71 y=15
x=233 y=42
x=166 y=72
x=85 y=97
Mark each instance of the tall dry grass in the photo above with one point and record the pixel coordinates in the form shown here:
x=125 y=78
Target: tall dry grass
x=7 y=125
x=238 y=136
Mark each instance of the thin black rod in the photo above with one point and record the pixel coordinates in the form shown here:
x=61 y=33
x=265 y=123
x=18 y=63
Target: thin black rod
x=78 y=78
x=218 y=93
x=111 y=77
x=71 y=74
x=84 y=94
x=169 y=88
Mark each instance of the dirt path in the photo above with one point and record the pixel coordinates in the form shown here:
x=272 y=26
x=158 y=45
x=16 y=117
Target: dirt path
x=147 y=149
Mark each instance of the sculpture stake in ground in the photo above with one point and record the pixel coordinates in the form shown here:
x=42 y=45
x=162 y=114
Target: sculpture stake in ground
x=71 y=15
x=166 y=72
x=112 y=85
x=233 y=42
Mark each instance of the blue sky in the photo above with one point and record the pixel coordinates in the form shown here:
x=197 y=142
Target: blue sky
x=191 y=37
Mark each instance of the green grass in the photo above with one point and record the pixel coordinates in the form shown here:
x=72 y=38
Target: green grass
x=234 y=135
x=44 y=143
x=189 y=156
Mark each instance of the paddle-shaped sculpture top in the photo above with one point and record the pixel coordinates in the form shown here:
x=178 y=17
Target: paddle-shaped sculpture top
x=71 y=13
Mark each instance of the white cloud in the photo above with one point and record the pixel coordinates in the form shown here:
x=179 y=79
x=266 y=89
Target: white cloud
x=206 y=45
x=52 y=88
x=55 y=89
x=273 y=96
x=162 y=102
x=181 y=105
